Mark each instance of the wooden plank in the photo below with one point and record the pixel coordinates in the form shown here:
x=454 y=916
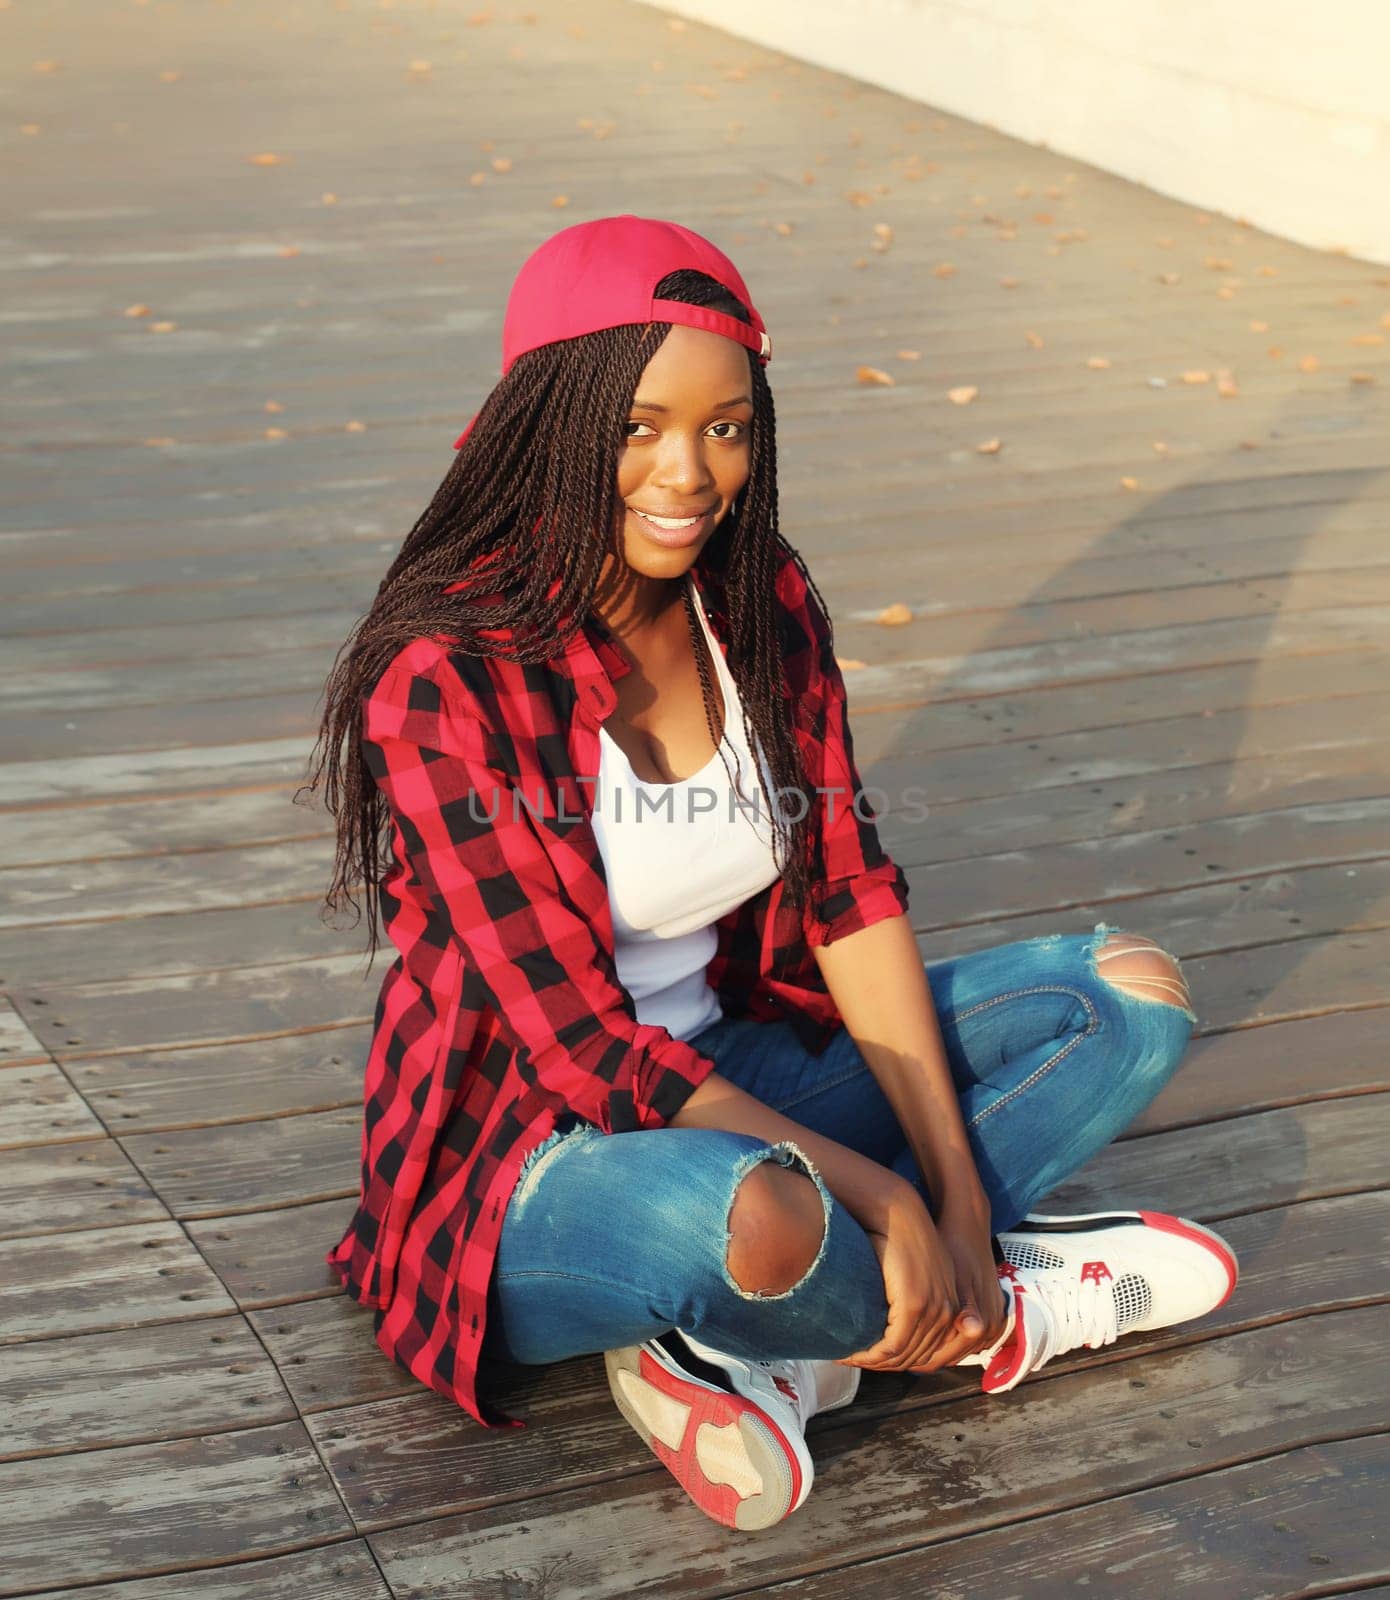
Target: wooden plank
x=1144 y=861
x=914 y=825
x=1054 y=1443
x=884 y=724
x=320 y=992
x=18 y=1046
x=103 y=1515
x=206 y=1172
x=98 y=890
x=1266 y=1159
x=1084 y=660
x=344 y=1570
x=86 y=1281
x=1261 y=908
x=1286 y=743
x=39 y=1106
x=264 y=1258
x=62 y=1188
x=1291 y=1524
x=227 y=1083
x=237 y=1167
x=157 y=827
x=182 y=943
x=137 y=1386
x=1257 y=1069
x=28 y=783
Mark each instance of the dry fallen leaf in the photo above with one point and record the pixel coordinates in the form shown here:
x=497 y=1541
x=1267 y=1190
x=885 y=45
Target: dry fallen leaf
x=1034 y=339
x=1129 y=483
x=1385 y=319
x=136 y=311
x=1196 y=375
x=943 y=269
x=874 y=375
x=289 y=250
x=1275 y=352
x=477 y=179
x=1369 y=338
x=1225 y=294
x=329 y=199
x=990 y=447
x=1226 y=385
x=163 y=327
x=560 y=201
x=849 y=664
x=1363 y=377
x=1259 y=327
x=1100 y=363
x=276 y=433
x=883 y=230
x=858 y=197
x=265 y=159
x=1170 y=278
x=963 y=395
x=784 y=228
x=46 y=66
x=1308 y=363
x=354 y=427
x=272 y=406
x=501 y=163
x=1267 y=272
x=1219 y=263
x=1160 y=447
x=170 y=76
x=895 y=615
x=908 y=355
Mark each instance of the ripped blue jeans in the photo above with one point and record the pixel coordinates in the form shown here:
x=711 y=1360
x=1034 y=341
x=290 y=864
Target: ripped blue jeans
x=610 y=1239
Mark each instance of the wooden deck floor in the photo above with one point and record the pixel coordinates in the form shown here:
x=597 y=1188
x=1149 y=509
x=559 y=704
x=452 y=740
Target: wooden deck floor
x=1145 y=682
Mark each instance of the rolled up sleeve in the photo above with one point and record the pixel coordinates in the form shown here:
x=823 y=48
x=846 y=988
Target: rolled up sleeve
x=859 y=884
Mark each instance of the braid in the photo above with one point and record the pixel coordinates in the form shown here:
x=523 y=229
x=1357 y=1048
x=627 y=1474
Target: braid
x=524 y=495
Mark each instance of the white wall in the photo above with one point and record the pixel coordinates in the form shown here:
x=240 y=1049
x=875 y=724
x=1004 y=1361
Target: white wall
x=1277 y=111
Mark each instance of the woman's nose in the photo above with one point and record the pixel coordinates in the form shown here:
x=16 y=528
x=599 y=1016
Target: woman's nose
x=683 y=467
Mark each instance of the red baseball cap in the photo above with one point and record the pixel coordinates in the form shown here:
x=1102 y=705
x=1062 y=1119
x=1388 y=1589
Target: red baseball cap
x=602 y=274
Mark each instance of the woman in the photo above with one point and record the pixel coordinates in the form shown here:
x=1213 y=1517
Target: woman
x=611 y=920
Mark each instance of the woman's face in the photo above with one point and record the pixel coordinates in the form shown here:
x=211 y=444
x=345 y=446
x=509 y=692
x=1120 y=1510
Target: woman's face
x=687 y=449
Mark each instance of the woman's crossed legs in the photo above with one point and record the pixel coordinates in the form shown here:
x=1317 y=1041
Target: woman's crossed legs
x=1055 y=1045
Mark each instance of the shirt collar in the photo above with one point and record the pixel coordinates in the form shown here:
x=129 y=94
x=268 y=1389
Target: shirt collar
x=593 y=657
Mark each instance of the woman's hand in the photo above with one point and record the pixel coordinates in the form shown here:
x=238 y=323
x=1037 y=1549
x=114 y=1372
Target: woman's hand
x=920 y=1281
x=964 y=1231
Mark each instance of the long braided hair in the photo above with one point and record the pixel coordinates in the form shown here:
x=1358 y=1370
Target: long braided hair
x=525 y=494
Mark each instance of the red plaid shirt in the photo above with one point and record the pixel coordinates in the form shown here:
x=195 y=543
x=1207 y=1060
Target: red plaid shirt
x=503 y=1009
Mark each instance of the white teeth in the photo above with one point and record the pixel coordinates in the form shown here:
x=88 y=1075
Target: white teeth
x=669 y=522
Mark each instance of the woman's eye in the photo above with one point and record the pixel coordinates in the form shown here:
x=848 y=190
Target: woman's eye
x=736 y=426
x=628 y=426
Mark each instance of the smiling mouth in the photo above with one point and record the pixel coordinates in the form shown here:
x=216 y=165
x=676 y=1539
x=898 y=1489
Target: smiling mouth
x=673 y=524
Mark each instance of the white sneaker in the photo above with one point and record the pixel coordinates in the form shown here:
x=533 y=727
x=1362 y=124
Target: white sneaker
x=1084 y=1281
x=732 y=1431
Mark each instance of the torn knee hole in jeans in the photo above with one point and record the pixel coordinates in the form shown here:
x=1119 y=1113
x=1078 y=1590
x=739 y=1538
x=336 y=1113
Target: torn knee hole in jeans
x=787 y=1154
x=1137 y=965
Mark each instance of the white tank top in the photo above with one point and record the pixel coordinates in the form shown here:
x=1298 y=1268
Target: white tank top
x=678 y=856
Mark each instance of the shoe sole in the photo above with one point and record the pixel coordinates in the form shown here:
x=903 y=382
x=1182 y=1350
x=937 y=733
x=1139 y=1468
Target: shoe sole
x=1162 y=1221
x=726 y=1453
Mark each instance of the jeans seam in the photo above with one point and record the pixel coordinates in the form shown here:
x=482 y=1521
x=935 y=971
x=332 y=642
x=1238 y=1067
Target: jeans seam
x=1051 y=1062
x=819 y=1088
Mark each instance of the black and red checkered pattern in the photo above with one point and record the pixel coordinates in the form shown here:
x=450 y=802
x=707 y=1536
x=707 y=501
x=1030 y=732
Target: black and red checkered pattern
x=503 y=1008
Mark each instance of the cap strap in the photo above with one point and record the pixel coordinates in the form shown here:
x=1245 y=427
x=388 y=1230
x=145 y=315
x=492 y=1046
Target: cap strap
x=713 y=321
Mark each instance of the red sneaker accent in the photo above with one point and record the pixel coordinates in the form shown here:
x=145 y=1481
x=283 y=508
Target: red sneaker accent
x=1008 y=1270
x=785 y=1385
x=1009 y=1357
x=718 y=1500
x=1199 y=1235
x=1094 y=1271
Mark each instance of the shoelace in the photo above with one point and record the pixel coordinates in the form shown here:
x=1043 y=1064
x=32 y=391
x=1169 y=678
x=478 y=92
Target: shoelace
x=1078 y=1313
